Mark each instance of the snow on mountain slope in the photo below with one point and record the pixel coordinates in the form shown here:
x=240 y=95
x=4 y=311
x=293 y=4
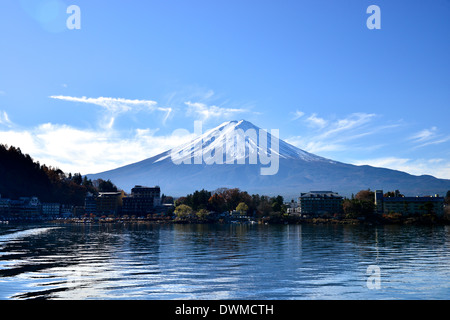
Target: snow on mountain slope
x=238 y=140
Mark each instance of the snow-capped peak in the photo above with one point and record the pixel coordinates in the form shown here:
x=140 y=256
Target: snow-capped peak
x=237 y=141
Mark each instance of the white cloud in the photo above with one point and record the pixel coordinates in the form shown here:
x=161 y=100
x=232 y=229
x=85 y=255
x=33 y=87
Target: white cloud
x=316 y=121
x=337 y=135
x=362 y=135
x=428 y=137
x=94 y=150
x=386 y=162
x=207 y=112
x=436 y=167
x=89 y=151
x=2 y=93
x=116 y=106
x=298 y=114
x=424 y=135
x=354 y=121
x=439 y=141
x=4 y=119
x=314 y=146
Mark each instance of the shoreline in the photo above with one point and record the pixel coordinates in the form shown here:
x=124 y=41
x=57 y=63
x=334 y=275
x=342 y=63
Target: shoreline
x=373 y=220
x=304 y=221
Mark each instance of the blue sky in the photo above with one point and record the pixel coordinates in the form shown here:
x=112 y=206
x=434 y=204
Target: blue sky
x=116 y=91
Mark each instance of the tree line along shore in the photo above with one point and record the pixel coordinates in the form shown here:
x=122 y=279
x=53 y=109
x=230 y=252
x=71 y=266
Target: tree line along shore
x=21 y=176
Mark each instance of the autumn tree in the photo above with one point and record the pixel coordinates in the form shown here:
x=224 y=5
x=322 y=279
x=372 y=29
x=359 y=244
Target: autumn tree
x=232 y=198
x=166 y=199
x=202 y=214
x=264 y=207
x=228 y=199
x=183 y=211
x=365 y=195
x=181 y=200
x=242 y=208
x=217 y=203
x=354 y=208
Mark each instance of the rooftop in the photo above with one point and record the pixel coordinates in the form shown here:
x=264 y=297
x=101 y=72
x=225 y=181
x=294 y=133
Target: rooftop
x=320 y=194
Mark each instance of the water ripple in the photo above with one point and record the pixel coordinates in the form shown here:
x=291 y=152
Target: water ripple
x=223 y=262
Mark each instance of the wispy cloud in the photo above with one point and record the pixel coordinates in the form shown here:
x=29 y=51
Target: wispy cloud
x=355 y=121
x=428 y=137
x=315 y=121
x=363 y=135
x=2 y=93
x=297 y=115
x=117 y=106
x=105 y=147
x=206 y=105
x=4 y=119
x=92 y=150
x=206 y=112
x=336 y=134
x=436 y=167
x=424 y=135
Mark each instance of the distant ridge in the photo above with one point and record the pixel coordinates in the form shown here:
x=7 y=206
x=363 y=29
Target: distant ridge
x=299 y=171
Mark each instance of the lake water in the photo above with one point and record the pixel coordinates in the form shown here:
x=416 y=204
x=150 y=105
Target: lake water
x=263 y=262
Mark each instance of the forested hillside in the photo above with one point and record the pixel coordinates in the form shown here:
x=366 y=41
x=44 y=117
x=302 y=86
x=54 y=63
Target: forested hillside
x=21 y=176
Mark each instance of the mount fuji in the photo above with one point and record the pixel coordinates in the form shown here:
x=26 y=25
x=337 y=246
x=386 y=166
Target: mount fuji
x=236 y=153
